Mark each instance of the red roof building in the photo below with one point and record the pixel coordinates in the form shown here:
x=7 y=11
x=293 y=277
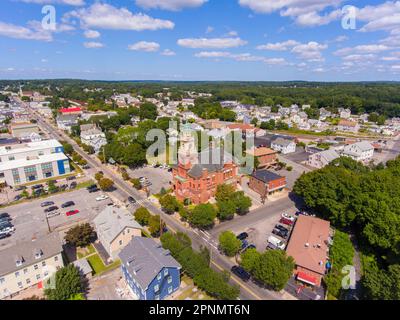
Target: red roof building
x=75 y=110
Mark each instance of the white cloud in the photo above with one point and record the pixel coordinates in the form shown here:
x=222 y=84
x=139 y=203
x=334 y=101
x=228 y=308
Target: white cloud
x=304 y=12
x=279 y=46
x=168 y=52
x=67 y=2
x=362 y=49
x=311 y=51
x=173 y=5
x=385 y=16
x=105 y=16
x=232 y=33
x=144 y=46
x=247 y=57
x=92 y=34
x=33 y=31
x=215 y=43
x=93 y=45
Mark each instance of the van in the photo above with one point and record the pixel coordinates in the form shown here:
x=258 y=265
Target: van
x=276 y=242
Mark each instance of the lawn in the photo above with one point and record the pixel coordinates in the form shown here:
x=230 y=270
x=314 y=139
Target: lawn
x=98 y=266
x=84 y=252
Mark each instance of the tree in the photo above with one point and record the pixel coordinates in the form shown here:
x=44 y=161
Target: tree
x=224 y=192
x=169 y=204
x=68 y=148
x=156 y=224
x=142 y=216
x=81 y=235
x=98 y=176
x=242 y=202
x=136 y=184
x=273 y=267
x=67 y=284
x=203 y=216
x=226 y=210
x=229 y=244
x=106 y=184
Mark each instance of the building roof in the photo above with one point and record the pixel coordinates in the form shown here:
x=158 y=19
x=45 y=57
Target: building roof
x=83 y=266
x=266 y=176
x=329 y=155
x=28 y=147
x=112 y=221
x=262 y=151
x=347 y=123
x=282 y=141
x=69 y=110
x=241 y=126
x=308 y=244
x=212 y=160
x=48 y=246
x=145 y=258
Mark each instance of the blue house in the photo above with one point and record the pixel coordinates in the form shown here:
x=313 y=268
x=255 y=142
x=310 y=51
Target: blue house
x=149 y=270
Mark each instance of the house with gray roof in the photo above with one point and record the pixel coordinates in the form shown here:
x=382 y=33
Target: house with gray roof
x=115 y=228
x=28 y=263
x=149 y=270
x=321 y=159
x=360 y=151
x=283 y=145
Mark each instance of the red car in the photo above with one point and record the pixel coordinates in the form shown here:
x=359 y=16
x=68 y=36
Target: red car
x=286 y=221
x=72 y=213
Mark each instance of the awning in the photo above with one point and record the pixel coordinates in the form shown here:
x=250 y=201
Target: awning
x=301 y=276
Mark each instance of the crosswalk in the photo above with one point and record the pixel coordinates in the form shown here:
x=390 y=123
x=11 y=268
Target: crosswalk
x=205 y=235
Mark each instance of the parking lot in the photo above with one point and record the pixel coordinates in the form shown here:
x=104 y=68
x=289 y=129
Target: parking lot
x=158 y=177
x=29 y=218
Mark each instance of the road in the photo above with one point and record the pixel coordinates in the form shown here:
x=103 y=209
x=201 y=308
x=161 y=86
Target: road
x=249 y=291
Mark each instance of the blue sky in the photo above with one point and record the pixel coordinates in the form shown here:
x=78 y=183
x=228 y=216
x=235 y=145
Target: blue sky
x=183 y=40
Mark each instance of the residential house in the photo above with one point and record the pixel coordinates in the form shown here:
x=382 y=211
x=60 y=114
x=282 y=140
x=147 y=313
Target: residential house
x=360 y=151
x=344 y=113
x=348 y=126
x=150 y=272
x=67 y=121
x=266 y=183
x=284 y=146
x=27 y=263
x=93 y=136
x=115 y=228
x=308 y=245
x=266 y=156
x=321 y=159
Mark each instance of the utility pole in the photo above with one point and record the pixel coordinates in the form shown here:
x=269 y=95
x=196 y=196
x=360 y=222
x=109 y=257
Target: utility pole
x=48 y=224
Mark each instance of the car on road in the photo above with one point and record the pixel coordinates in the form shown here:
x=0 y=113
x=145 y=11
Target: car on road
x=131 y=200
x=52 y=214
x=102 y=197
x=241 y=273
x=277 y=242
x=68 y=204
x=86 y=167
x=50 y=209
x=242 y=236
x=72 y=213
x=46 y=204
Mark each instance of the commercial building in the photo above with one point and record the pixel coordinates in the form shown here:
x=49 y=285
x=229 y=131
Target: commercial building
x=266 y=156
x=24 y=129
x=266 y=183
x=28 y=263
x=150 y=271
x=26 y=162
x=309 y=247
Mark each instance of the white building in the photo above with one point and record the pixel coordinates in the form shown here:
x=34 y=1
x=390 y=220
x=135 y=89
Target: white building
x=26 y=264
x=27 y=162
x=360 y=151
x=92 y=136
x=321 y=159
x=283 y=146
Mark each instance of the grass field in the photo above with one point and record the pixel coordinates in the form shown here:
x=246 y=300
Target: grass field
x=98 y=266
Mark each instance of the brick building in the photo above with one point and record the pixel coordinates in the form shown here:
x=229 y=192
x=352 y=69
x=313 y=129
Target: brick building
x=197 y=176
x=265 y=183
x=266 y=156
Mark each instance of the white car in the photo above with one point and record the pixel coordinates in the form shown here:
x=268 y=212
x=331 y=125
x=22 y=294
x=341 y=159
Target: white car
x=289 y=217
x=52 y=214
x=102 y=197
x=276 y=242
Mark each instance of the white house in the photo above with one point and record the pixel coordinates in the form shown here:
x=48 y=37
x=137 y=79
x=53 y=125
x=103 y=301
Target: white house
x=321 y=159
x=283 y=146
x=360 y=151
x=92 y=136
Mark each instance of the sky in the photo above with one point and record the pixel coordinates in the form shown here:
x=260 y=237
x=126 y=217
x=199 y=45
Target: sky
x=185 y=40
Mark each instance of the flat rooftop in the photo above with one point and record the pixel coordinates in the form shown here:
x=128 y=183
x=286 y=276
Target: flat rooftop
x=28 y=147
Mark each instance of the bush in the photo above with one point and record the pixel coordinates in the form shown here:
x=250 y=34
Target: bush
x=289 y=168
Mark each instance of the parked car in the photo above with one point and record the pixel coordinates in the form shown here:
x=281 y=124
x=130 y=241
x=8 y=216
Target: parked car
x=5 y=219
x=73 y=185
x=71 y=178
x=52 y=214
x=93 y=186
x=46 y=204
x=289 y=217
x=93 y=190
x=37 y=186
x=131 y=200
x=241 y=273
x=286 y=221
x=282 y=228
x=102 y=197
x=63 y=187
x=86 y=167
x=68 y=204
x=4 y=235
x=4 y=215
x=250 y=246
x=50 y=209
x=280 y=233
x=276 y=242
x=242 y=236
x=244 y=244
x=72 y=213
x=18 y=197
x=270 y=246
x=20 y=188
